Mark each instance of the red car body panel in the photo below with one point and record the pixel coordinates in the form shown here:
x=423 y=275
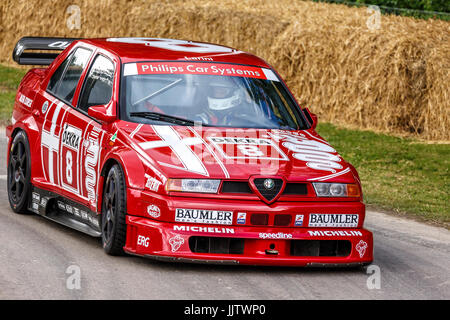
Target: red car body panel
x=151 y=154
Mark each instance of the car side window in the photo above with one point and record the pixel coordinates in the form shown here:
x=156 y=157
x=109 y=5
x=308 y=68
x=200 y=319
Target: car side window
x=54 y=80
x=97 y=88
x=66 y=86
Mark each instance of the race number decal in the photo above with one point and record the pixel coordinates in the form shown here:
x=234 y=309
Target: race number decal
x=248 y=148
x=50 y=139
x=69 y=154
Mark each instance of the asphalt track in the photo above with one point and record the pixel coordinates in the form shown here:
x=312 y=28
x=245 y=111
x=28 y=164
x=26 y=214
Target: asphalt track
x=40 y=259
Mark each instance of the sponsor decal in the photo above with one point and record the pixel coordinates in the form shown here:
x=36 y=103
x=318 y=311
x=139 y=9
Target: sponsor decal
x=84 y=215
x=328 y=233
x=219 y=69
x=361 y=248
x=25 y=100
x=44 y=107
x=204 y=216
x=90 y=164
x=79 y=214
x=318 y=155
x=61 y=205
x=113 y=138
x=279 y=235
x=71 y=137
x=199 y=58
x=241 y=218
x=203 y=229
x=35 y=206
x=59 y=44
x=176 y=242
x=44 y=202
x=143 y=241
x=333 y=220
x=152 y=184
x=299 y=220
x=36 y=197
x=236 y=140
x=153 y=211
x=69 y=208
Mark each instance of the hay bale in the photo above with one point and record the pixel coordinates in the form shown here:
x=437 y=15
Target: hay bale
x=393 y=80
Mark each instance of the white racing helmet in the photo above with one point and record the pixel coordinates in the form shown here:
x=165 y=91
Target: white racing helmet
x=223 y=94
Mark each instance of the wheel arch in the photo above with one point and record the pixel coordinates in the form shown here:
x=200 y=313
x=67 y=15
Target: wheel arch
x=132 y=169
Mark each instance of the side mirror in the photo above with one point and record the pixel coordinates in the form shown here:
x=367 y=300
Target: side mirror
x=311 y=117
x=99 y=113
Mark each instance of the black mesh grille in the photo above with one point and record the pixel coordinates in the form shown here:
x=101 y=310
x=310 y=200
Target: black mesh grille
x=269 y=194
x=216 y=245
x=235 y=187
x=282 y=220
x=320 y=248
x=296 y=189
x=242 y=187
x=259 y=219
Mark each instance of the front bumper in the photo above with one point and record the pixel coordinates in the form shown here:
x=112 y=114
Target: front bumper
x=249 y=245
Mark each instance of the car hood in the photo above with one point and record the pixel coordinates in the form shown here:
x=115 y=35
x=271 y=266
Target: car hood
x=231 y=153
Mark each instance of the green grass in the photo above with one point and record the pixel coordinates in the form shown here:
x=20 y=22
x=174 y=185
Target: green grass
x=399 y=175
x=9 y=81
x=421 y=9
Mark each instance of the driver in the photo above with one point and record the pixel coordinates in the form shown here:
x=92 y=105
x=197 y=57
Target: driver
x=223 y=99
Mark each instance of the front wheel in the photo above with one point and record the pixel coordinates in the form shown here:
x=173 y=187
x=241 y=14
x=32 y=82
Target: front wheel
x=19 y=173
x=113 y=212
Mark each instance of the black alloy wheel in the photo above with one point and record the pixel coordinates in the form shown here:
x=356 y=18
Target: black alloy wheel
x=113 y=212
x=19 y=173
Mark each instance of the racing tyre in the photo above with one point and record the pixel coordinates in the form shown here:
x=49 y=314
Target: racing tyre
x=113 y=212
x=19 y=173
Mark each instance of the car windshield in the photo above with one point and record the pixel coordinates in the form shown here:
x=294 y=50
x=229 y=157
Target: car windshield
x=209 y=94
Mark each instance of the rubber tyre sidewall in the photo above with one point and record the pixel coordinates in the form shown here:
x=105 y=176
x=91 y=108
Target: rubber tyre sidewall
x=115 y=246
x=22 y=206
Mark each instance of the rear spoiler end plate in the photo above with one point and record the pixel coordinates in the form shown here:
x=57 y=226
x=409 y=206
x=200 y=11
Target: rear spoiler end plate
x=39 y=43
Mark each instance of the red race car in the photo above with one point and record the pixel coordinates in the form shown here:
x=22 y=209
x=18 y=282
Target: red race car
x=179 y=151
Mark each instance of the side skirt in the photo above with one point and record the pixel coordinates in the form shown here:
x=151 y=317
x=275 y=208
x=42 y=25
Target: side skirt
x=65 y=211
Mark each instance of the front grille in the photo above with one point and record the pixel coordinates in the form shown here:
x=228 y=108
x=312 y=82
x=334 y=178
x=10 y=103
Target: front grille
x=216 y=245
x=268 y=194
x=320 y=248
x=242 y=187
x=298 y=248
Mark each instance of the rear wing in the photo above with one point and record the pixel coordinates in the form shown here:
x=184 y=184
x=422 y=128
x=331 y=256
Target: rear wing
x=39 y=43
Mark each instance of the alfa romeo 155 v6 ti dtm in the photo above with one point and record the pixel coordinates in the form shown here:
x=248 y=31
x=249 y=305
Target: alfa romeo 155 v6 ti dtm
x=179 y=151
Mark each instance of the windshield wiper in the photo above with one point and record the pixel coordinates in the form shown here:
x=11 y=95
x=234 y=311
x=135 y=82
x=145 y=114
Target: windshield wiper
x=164 y=117
x=153 y=94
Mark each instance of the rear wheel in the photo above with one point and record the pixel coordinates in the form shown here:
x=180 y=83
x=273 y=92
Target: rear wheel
x=19 y=173
x=113 y=212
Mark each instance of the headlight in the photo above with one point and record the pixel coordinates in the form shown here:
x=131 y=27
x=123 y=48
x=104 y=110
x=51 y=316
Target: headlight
x=336 y=189
x=193 y=185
